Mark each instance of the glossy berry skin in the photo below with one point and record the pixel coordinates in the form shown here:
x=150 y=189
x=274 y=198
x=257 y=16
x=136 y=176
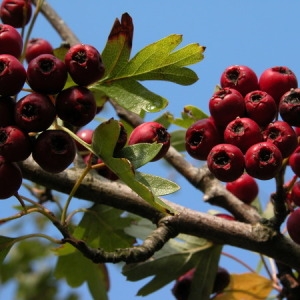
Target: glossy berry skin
x=201 y=137
x=277 y=80
x=84 y=64
x=239 y=77
x=151 y=132
x=46 y=74
x=12 y=75
x=54 y=150
x=35 y=112
x=225 y=105
x=295 y=193
x=282 y=135
x=36 y=47
x=15 y=144
x=86 y=135
x=11 y=41
x=243 y=133
x=289 y=107
x=10 y=178
x=225 y=216
x=226 y=162
x=16 y=13
x=7 y=108
x=260 y=107
x=293 y=225
x=245 y=188
x=263 y=160
x=294 y=161
x=76 y=105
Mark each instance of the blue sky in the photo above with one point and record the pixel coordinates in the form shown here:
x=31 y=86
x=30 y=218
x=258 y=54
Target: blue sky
x=259 y=34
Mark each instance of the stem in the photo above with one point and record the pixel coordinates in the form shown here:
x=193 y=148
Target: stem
x=239 y=261
x=40 y=235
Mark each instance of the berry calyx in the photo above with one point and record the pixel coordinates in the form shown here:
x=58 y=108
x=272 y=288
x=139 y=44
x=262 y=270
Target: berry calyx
x=200 y=137
x=35 y=112
x=84 y=64
x=46 y=74
x=54 y=150
x=151 y=132
x=226 y=162
x=263 y=160
x=245 y=188
x=239 y=77
x=76 y=105
x=36 y=47
x=277 y=80
x=10 y=178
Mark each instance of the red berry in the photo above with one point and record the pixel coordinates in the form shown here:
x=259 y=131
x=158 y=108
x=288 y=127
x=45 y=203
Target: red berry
x=84 y=64
x=239 y=77
x=16 y=13
x=263 y=160
x=11 y=41
x=294 y=161
x=221 y=281
x=54 y=150
x=245 y=188
x=289 y=107
x=46 y=74
x=10 y=178
x=201 y=137
x=225 y=216
x=295 y=193
x=76 y=105
x=35 y=112
x=293 y=225
x=277 y=80
x=86 y=135
x=243 y=133
x=7 y=108
x=15 y=145
x=12 y=75
x=225 y=105
x=36 y=47
x=260 y=107
x=282 y=135
x=151 y=132
x=226 y=162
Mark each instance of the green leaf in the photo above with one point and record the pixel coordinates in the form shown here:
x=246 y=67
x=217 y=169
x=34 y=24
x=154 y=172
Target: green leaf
x=5 y=245
x=159 y=186
x=178 y=140
x=131 y=95
x=140 y=154
x=104 y=140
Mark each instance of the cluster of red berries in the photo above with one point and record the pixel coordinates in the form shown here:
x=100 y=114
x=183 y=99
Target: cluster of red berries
x=244 y=132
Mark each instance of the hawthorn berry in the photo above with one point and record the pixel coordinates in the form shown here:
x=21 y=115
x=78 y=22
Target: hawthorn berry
x=11 y=41
x=243 y=133
x=293 y=225
x=263 y=160
x=86 y=135
x=7 y=108
x=239 y=77
x=225 y=105
x=36 y=47
x=15 y=144
x=12 y=75
x=226 y=162
x=295 y=193
x=277 y=80
x=84 y=64
x=225 y=216
x=46 y=74
x=200 y=137
x=282 y=135
x=294 y=161
x=289 y=107
x=16 y=13
x=35 y=112
x=244 y=188
x=76 y=105
x=260 y=107
x=54 y=150
x=151 y=132
x=10 y=178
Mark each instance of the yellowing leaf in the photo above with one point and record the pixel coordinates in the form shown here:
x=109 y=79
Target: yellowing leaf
x=247 y=286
